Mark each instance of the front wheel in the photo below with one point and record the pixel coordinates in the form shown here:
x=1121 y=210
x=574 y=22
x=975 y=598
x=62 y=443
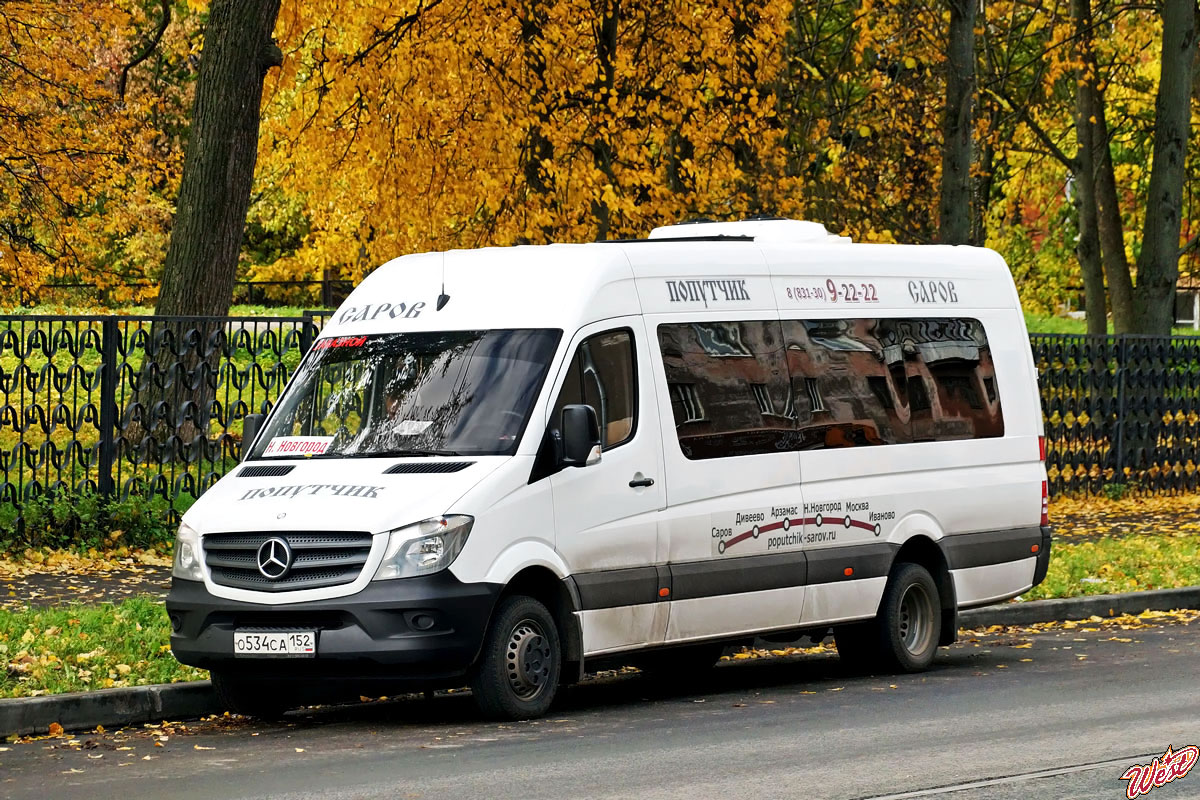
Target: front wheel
x=518 y=672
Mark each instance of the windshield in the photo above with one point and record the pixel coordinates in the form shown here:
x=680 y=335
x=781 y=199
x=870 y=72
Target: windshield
x=445 y=393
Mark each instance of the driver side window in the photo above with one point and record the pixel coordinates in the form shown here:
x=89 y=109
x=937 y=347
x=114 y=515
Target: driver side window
x=602 y=374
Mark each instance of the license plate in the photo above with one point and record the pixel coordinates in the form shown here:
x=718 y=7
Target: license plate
x=275 y=643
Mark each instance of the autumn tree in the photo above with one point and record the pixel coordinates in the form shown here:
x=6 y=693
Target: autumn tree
x=954 y=209
x=201 y=262
x=1158 y=261
x=91 y=100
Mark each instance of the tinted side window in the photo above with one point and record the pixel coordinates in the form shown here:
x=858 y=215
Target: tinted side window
x=602 y=375
x=951 y=378
x=847 y=388
x=728 y=385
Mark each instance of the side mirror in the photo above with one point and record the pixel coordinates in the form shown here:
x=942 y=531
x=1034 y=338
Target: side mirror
x=580 y=436
x=251 y=425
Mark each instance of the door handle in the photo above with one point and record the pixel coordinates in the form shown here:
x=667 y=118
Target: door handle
x=634 y=484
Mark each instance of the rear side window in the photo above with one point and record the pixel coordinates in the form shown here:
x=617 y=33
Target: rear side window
x=602 y=375
x=728 y=384
x=951 y=377
x=739 y=388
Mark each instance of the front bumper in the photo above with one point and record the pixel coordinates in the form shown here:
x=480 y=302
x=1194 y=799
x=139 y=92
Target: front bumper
x=1043 y=557
x=423 y=629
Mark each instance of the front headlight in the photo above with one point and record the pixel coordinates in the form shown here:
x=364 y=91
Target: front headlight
x=425 y=547
x=187 y=555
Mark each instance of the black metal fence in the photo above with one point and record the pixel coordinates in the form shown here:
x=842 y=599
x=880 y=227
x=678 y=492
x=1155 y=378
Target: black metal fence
x=135 y=405
x=154 y=405
x=1122 y=412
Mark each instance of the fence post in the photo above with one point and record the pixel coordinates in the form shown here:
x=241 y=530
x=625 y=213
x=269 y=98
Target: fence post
x=109 y=331
x=1122 y=360
x=306 y=333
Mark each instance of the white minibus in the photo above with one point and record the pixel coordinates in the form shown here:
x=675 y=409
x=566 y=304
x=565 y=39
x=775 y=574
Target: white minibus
x=501 y=467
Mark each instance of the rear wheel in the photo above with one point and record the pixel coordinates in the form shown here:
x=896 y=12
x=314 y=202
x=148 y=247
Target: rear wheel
x=518 y=672
x=904 y=635
x=911 y=617
x=250 y=698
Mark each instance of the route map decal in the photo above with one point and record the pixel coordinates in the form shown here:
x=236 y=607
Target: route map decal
x=785 y=526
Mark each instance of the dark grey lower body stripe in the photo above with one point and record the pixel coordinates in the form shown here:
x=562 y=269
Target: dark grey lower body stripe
x=964 y=550
x=872 y=560
x=719 y=576
x=617 y=587
x=689 y=580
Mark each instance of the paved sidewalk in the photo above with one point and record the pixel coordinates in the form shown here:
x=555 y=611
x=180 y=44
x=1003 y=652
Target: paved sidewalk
x=53 y=588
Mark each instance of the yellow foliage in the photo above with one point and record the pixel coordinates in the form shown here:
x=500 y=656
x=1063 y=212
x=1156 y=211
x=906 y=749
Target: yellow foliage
x=395 y=127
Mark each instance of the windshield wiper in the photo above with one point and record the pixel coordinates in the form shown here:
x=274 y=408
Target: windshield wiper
x=399 y=453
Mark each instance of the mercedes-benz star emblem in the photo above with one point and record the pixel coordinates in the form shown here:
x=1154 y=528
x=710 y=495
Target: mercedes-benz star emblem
x=274 y=558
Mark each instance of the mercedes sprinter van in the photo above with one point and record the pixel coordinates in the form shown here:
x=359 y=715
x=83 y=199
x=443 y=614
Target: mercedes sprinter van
x=497 y=467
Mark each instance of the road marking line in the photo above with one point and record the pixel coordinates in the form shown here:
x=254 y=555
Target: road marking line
x=1025 y=776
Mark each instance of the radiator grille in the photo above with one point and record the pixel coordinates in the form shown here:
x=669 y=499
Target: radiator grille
x=319 y=558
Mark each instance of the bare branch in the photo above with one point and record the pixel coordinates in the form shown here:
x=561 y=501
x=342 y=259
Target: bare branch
x=147 y=50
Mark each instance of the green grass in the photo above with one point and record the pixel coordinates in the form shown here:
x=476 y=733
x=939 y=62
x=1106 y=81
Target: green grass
x=1116 y=565
x=76 y=648
x=1038 y=323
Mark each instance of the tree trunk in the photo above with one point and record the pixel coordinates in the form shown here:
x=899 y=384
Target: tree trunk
x=982 y=183
x=955 y=211
x=538 y=147
x=218 y=169
x=179 y=381
x=1158 y=262
x=1091 y=112
x=1088 y=249
x=603 y=156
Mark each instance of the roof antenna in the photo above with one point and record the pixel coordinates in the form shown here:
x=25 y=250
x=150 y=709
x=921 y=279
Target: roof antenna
x=443 y=298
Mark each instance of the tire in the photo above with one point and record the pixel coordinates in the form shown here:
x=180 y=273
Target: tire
x=518 y=672
x=911 y=619
x=251 y=698
x=904 y=635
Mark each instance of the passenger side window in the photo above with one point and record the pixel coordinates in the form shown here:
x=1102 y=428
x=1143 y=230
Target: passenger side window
x=728 y=386
x=602 y=374
x=740 y=388
x=844 y=382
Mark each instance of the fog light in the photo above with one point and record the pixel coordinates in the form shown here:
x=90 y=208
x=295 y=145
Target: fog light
x=423 y=622
x=176 y=622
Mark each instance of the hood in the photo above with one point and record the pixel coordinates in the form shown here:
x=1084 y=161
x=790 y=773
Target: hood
x=351 y=494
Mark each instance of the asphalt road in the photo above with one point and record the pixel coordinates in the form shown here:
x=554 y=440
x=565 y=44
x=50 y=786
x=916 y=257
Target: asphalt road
x=1058 y=714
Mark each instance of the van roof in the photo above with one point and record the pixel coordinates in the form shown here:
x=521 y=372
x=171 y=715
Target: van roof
x=748 y=266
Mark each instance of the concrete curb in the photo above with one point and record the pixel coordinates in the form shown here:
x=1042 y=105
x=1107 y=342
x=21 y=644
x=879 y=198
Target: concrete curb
x=108 y=707
x=1099 y=605
x=175 y=701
